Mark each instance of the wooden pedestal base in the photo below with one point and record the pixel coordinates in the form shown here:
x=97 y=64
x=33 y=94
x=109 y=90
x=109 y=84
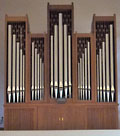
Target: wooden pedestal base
x=59 y=117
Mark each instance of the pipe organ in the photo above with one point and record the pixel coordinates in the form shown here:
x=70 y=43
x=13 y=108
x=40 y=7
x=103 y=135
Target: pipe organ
x=105 y=47
x=37 y=72
x=84 y=69
x=61 y=79
x=16 y=36
x=60 y=35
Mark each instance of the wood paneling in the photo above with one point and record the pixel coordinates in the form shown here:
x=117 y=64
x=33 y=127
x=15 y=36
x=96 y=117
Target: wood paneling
x=110 y=118
x=20 y=119
x=59 y=117
x=95 y=118
x=48 y=118
x=102 y=117
x=74 y=117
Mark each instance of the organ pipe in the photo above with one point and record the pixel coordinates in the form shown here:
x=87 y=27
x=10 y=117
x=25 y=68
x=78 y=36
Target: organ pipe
x=56 y=60
x=65 y=60
x=60 y=55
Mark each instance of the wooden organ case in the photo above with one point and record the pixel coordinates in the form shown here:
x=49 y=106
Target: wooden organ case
x=61 y=80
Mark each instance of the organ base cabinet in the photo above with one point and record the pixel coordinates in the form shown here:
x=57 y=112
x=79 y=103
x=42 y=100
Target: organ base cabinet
x=59 y=117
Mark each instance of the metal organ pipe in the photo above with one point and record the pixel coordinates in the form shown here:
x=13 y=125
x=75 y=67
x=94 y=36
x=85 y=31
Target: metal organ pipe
x=9 y=62
x=83 y=76
x=65 y=61
x=89 y=87
x=107 y=67
x=13 y=68
x=86 y=74
x=36 y=81
x=111 y=63
x=38 y=62
x=98 y=78
x=100 y=73
x=81 y=91
x=51 y=66
x=69 y=63
x=33 y=70
x=56 y=60
x=23 y=77
x=18 y=46
x=21 y=88
x=40 y=78
x=103 y=62
x=60 y=55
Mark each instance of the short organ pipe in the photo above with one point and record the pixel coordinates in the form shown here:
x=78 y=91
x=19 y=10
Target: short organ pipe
x=69 y=64
x=51 y=66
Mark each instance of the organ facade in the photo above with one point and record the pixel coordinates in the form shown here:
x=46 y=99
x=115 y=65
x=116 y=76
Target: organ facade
x=60 y=79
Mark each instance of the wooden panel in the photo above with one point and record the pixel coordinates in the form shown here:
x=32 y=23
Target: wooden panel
x=95 y=118
x=48 y=118
x=102 y=118
x=110 y=118
x=73 y=117
x=92 y=67
x=61 y=117
x=20 y=119
x=16 y=19
x=107 y=19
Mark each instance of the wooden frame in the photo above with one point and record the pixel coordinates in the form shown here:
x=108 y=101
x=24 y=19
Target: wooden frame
x=93 y=68
x=58 y=8
x=107 y=18
x=14 y=19
x=46 y=66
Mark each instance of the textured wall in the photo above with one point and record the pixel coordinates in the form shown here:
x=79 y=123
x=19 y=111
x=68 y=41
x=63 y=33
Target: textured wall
x=37 y=13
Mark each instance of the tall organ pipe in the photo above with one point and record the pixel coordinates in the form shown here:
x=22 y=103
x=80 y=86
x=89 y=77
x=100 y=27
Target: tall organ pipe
x=60 y=55
x=65 y=61
x=56 y=60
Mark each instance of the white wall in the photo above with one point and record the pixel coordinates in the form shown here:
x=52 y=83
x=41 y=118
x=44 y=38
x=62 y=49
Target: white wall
x=62 y=133
x=37 y=13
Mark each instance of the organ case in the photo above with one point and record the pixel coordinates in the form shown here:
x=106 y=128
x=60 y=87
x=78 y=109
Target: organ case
x=37 y=62
x=16 y=42
x=84 y=72
x=104 y=29
x=57 y=102
x=60 y=30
